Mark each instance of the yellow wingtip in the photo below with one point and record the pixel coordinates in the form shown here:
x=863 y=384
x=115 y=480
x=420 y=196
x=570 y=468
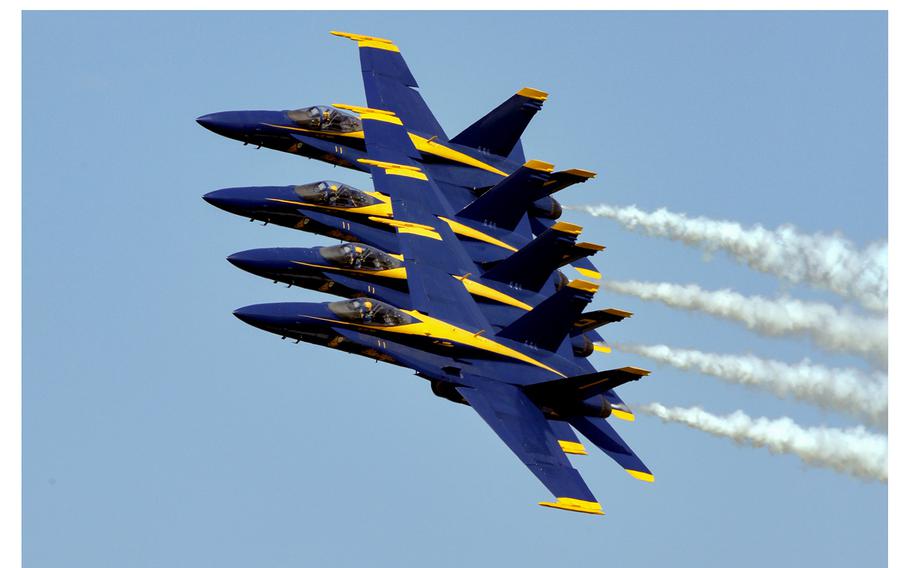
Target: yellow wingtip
x=564 y=227
x=581 y=173
x=539 y=165
x=575 y=505
x=591 y=246
x=576 y=448
x=584 y=285
x=619 y=313
x=636 y=371
x=588 y=273
x=649 y=477
x=623 y=415
x=368 y=41
x=531 y=93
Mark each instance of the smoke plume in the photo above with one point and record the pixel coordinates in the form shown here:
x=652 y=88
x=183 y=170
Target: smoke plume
x=852 y=451
x=829 y=327
x=824 y=261
x=863 y=394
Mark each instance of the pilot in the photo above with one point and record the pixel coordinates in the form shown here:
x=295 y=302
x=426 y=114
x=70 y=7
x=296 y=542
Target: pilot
x=332 y=194
x=357 y=257
x=368 y=315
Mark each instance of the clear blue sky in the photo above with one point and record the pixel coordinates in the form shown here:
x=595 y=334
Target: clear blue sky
x=160 y=431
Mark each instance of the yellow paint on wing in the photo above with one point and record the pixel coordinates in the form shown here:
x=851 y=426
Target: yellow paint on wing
x=587 y=272
x=368 y=41
x=584 y=286
x=440 y=150
x=649 y=477
x=575 y=448
x=569 y=228
x=533 y=94
x=484 y=291
x=409 y=228
x=465 y=231
x=623 y=415
x=576 y=505
x=396 y=169
x=539 y=165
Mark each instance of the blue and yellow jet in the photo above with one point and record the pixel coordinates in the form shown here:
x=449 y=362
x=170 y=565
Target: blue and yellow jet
x=502 y=335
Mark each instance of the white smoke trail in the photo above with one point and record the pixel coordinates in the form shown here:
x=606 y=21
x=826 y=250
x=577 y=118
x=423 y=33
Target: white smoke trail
x=825 y=261
x=861 y=393
x=833 y=329
x=853 y=451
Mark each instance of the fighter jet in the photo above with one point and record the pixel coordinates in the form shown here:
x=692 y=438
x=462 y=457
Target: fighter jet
x=340 y=211
x=523 y=377
x=485 y=160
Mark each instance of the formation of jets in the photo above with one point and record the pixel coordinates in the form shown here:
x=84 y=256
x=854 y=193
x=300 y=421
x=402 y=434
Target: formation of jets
x=449 y=264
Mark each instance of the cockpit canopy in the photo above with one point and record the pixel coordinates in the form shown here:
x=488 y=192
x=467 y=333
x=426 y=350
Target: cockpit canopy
x=370 y=312
x=363 y=257
x=325 y=119
x=334 y=194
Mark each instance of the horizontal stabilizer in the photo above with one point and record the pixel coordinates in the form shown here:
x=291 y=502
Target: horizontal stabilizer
x=582 y=387
x=506 y=203
x=549 y=323
x=589 y=321
x=502 y=127
x=533 y=264
x=611 y=443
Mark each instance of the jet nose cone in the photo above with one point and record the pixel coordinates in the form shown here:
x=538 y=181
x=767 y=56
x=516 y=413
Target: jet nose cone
x=223 y=199
x=252 y=259
x=232 y=124
x=238 y=200
x=217 y=122
x=206 y=120
x=251 y=314
x=277 y=318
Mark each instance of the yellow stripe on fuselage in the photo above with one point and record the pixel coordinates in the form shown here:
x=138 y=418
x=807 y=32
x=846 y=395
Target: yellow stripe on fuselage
x=431 y=327
x=355 y=134
x=383 y=209
x=399 y=273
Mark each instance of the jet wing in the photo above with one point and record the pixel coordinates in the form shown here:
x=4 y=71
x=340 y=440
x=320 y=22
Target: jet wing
x=607 y=439
x=433 y=255
x=523 y=428
x=389 y=84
